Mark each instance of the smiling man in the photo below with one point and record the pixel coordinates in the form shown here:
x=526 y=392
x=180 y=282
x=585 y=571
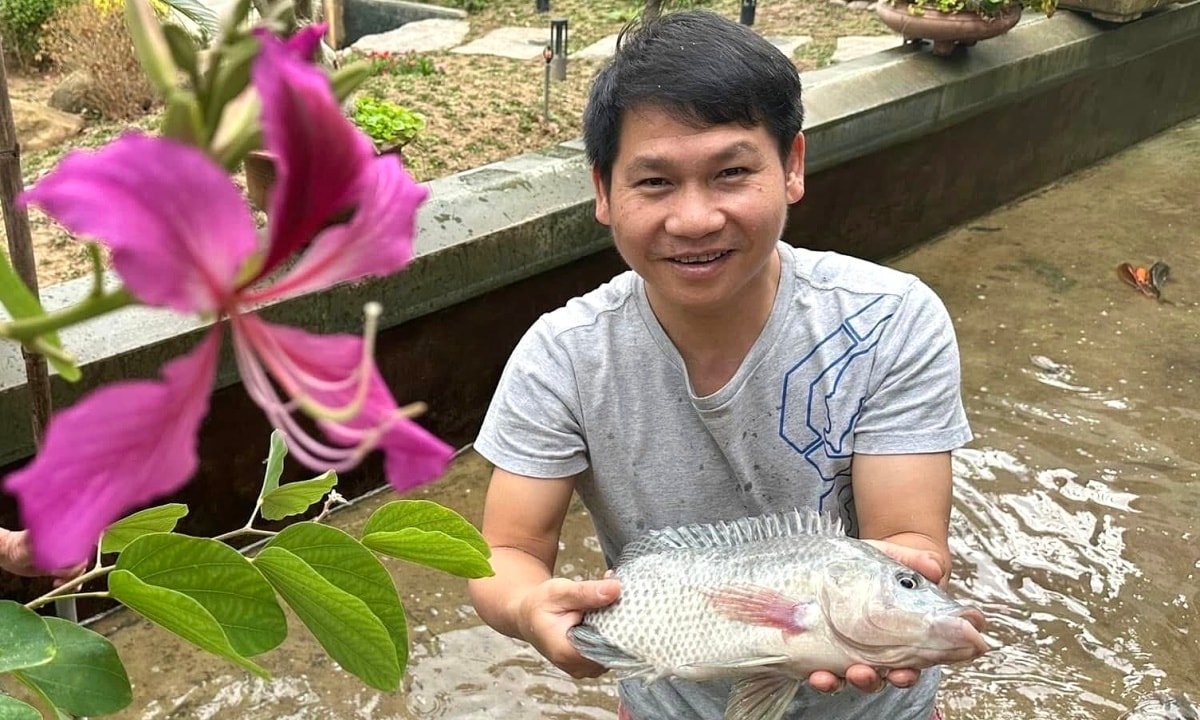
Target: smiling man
x=725 y=375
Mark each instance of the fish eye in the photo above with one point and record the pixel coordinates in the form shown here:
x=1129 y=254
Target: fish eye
x=908 y=579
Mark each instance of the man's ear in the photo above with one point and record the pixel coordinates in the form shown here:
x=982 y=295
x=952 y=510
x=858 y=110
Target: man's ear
x=793 y=170
x=603 y=213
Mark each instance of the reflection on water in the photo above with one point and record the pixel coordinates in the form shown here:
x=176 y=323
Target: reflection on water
x=1074 y=523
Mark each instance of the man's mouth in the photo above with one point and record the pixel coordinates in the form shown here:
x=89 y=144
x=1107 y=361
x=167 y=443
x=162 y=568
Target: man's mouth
x=700 y=259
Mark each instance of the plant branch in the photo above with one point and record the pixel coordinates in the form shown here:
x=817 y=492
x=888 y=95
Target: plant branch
x=66 y=588
x=245 y=531
x=28 y=330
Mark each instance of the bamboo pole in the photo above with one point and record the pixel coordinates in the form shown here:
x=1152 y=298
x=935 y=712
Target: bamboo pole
x=20 y=251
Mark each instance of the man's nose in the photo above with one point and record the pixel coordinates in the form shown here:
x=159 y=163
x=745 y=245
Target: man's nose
x=694 y=214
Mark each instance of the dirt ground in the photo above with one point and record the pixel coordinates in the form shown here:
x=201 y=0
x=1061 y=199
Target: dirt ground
x=479 y=109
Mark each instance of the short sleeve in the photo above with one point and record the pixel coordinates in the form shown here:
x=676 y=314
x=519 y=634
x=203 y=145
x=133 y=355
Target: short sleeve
x=916 y=405
x=532 y=426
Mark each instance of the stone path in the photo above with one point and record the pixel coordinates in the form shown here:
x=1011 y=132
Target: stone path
x=524 y=43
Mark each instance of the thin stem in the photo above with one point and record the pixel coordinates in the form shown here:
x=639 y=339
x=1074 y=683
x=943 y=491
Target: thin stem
x=29 y=329
x=245 y=531
x=67 y=587
x=72 y=596
x=97 y=260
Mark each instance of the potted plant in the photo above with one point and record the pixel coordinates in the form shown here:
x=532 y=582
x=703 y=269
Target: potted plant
x=950 y=23
x=389 y=125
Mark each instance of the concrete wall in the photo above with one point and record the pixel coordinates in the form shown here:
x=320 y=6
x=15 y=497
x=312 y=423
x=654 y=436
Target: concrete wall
x=902 y=146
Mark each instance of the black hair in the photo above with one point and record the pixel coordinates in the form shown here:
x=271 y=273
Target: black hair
x=701 y=68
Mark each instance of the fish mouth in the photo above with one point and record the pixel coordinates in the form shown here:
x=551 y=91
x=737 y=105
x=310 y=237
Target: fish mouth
x=971 y=630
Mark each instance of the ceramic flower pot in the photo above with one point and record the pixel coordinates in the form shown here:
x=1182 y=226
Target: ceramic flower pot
x=260 y=174
x=945 y=30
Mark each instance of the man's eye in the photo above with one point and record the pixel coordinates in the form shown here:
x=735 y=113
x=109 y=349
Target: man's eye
x=652 y=182
x=733 y=172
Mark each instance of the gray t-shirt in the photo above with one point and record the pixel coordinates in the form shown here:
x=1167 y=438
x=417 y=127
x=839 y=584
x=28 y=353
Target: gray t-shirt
x=855 y=357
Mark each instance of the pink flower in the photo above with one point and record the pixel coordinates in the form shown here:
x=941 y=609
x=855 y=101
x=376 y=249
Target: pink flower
x=182 y=237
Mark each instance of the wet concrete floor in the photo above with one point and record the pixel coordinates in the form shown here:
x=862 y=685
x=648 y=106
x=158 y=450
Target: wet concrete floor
x=1075 y=522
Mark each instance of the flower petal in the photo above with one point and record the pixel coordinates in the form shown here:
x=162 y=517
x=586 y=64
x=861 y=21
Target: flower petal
x=325 y=370
x=178 y=227
x=304 y=42
x=377 y=241
x=117 y=449
x=320 y=157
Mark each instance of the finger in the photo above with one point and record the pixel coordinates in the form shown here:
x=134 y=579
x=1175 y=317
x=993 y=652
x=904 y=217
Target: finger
x=903 y=678
x=925 y=562
x=864 y=678
x=585 y=669
x=587 y=595
x=826 y=682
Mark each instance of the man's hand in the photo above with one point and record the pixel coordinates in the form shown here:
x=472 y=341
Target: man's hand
x=556 y=606
x=16 y=557
x=864 y=677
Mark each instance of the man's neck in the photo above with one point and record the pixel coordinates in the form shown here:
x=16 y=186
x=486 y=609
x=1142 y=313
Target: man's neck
x=714 y=341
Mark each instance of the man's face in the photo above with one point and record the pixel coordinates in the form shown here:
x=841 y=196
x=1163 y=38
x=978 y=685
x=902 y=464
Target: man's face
x=697 y=212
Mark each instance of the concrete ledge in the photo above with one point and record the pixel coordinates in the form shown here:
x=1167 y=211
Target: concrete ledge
x=369 y=17
x=493 y=226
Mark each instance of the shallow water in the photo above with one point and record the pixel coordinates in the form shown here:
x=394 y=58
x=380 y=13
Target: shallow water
x=1074 y=523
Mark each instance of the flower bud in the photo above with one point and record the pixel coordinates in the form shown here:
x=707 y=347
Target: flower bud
x=181 y=119
x=150 y=45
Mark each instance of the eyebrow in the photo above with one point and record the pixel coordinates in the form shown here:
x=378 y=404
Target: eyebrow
x=654 y=163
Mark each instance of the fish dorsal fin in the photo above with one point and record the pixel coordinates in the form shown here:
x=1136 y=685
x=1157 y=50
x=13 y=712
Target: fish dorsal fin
x=729 y=533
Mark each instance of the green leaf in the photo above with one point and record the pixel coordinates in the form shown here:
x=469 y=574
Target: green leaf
x=218 y=578
x=20 y=302
x=295 y=498
x=352 y=635
x=13 y=709
x=177 y=613
x=434 y=549
x=350 y=566
x=184 y=51
x=198 y=13
x=25 y=640
x=86 y=677
x=161 y=519
x=425 y=515
x=346 y=79
x=229 y=77
x=275 y=459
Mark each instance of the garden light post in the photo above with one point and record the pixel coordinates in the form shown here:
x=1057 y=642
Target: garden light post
x=548 y=54
x=558 y=41
x=748 y=8
x=542 y=6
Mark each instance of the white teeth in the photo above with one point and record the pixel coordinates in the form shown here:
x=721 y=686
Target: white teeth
x=699 y=258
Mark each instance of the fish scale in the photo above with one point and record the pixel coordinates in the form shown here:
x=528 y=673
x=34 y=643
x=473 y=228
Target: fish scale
x=766 y=601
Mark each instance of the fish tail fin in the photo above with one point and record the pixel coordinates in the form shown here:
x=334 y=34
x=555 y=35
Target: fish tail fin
x=597 y=648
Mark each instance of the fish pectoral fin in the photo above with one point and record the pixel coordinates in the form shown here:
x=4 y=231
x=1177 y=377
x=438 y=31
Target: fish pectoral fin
x=597 y=648
x=761 y=697
x=756 y=605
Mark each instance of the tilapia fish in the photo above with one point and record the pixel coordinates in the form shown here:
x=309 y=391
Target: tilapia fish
x=766 y=601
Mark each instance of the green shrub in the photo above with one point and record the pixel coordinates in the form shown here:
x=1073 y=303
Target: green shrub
x=21 y=24
x=389 y=125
